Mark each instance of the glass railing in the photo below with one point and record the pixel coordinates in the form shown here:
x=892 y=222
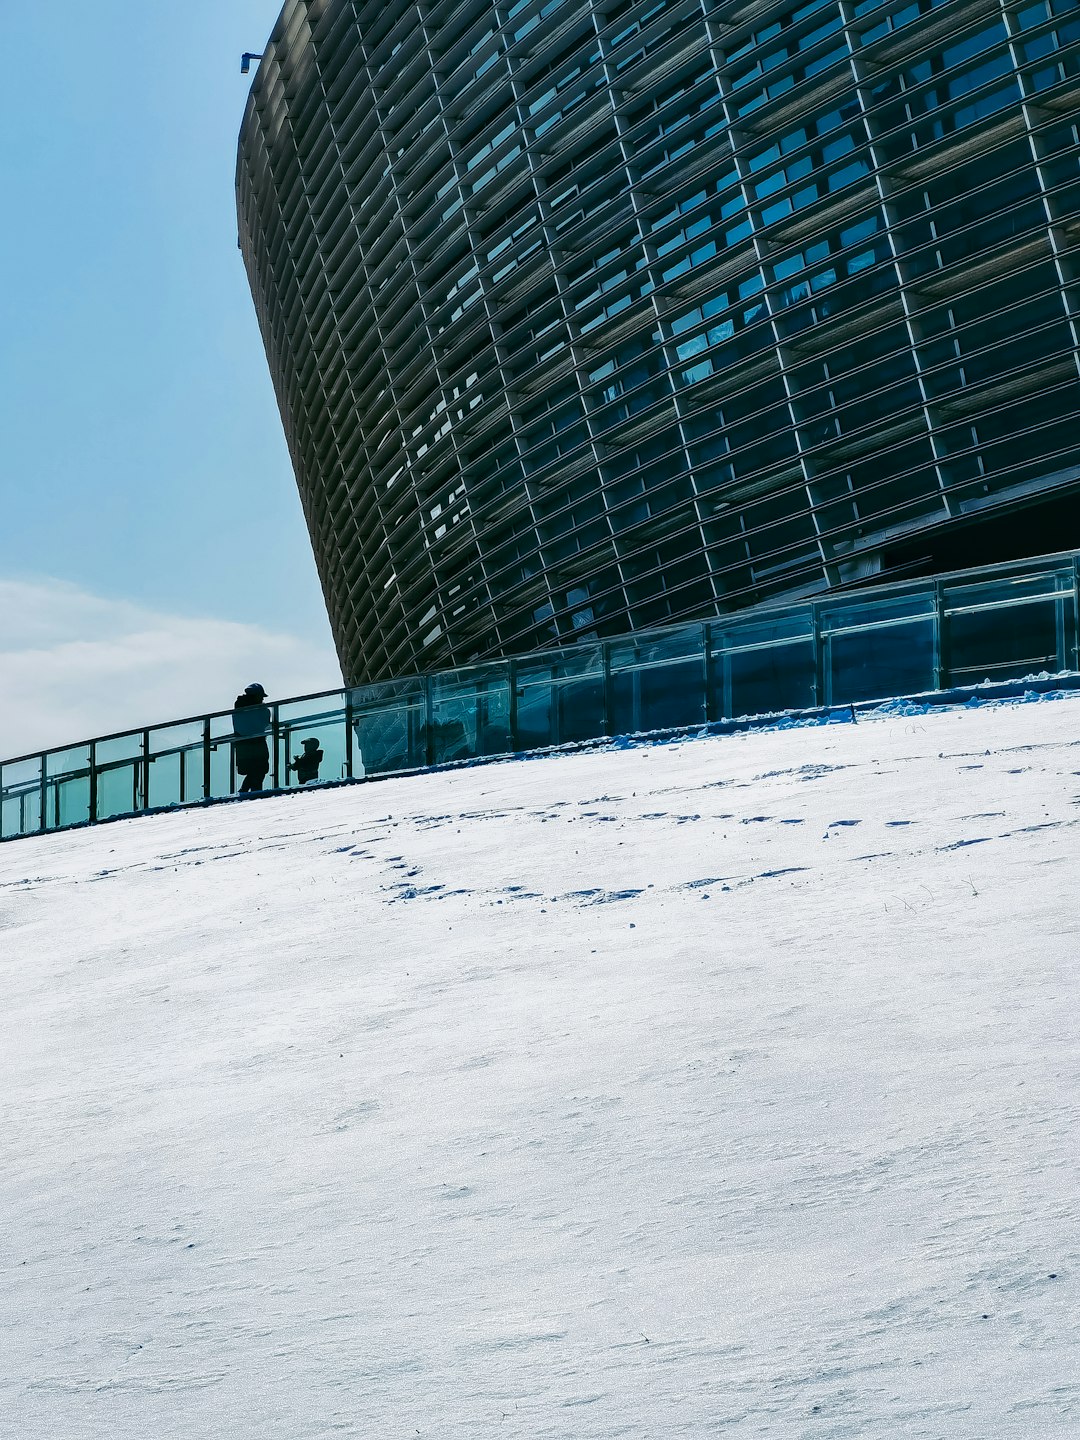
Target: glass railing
x=996 y=623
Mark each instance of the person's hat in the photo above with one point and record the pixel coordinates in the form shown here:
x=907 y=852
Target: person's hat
x=312 y=744
x=255 y=690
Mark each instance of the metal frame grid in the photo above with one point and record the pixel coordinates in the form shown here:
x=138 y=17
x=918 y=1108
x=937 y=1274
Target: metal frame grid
x=587 y=315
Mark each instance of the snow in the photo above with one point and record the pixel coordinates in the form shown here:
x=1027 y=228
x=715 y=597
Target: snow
x=720 y=1087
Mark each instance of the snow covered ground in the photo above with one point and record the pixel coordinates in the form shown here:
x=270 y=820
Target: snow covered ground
x=727 y=1087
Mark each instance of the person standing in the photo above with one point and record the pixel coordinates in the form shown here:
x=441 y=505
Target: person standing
x=251 y=724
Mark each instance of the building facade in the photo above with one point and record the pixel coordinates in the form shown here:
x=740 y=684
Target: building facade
x=586 y=316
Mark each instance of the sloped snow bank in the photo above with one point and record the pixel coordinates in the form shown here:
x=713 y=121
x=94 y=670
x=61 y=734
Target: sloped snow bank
x=723 y=1087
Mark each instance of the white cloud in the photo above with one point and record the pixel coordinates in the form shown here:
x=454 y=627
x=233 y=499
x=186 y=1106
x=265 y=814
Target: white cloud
x=74 y=665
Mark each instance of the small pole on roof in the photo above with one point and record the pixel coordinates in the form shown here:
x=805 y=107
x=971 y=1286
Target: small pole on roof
x=246 y=59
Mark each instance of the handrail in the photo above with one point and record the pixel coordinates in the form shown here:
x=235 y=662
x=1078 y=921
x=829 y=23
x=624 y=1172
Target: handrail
x=848 y=645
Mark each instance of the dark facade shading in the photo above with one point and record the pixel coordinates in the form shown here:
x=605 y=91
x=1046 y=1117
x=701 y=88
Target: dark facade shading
x=586 y=317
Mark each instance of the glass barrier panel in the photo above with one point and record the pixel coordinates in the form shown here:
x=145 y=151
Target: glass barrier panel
x=222 y=767
x=389 y=723
x=312 y=741
x=874 y=649
x=560 y=697
x=470 y=712
x=1007 y=642
x=994 y=625
x=764 y=666
x=657 y=683
x=175 y=767
x=67 y=787
x=389 y=726
x=20 y=798
x=120 y=775
x=876 y=663
x=1005 y=590
x=858 y=614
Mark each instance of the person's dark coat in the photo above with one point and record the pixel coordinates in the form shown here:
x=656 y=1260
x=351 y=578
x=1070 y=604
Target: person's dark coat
x=307 y=763
x=251 y=718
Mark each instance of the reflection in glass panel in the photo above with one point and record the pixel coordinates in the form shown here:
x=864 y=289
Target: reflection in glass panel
x=1007 y=642
x=658 y=683
x=176 y=764
x=390 y=726
x=766 y=666
x=783 y=677
x=222 y=769
x=874 y=645
x=470 y=713
x=67 y=787
x=560 y=697
x=120 y=775
x=20 y=798
x=312 y=741
x=1006 y=590
x=874 y=663
x=854 y=614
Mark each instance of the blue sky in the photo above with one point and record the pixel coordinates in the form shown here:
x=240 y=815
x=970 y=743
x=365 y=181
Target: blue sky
x=144 y=478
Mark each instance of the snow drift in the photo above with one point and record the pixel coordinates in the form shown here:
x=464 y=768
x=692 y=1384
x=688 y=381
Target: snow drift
x=723 y=1087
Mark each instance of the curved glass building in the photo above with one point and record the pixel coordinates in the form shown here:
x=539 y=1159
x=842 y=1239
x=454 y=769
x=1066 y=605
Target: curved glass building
x=588 y=315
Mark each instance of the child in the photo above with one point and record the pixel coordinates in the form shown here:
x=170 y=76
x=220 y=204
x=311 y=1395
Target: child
x=307 y=764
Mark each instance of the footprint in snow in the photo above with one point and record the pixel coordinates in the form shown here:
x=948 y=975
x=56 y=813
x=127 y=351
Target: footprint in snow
x=597 y=896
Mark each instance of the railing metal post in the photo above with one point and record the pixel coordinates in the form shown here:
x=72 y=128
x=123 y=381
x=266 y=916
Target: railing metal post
x=1074 y=653
x=941 y=638
x=943 y=657
x=609 y=696
x=43 y=805
x=206 y=758
x=710 y=674
x=429 y=727
x=91 y=804
x=274 y=737
x=144 y=766
x=819 y=657
x=511 y=678
x=348 y=735
x=1061 y=638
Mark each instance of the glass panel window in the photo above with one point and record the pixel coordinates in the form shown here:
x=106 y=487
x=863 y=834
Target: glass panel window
x=764 y=667
x=120 y=775
x=470 y=713
x=175 y=767
x=875 y=662
x=560 y=698
x=20 y=798
x=1008 y=641
x=67 y=787
x=389 y=726
x=658 y=683
x=222 y=768
x=311 y=741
